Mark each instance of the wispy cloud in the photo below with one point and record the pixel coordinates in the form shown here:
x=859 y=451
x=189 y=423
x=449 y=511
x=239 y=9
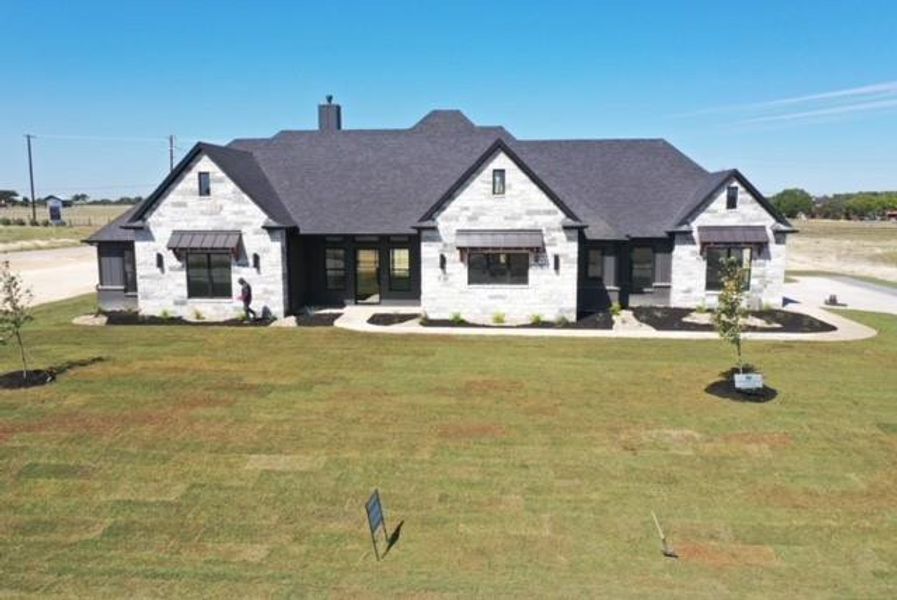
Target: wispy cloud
x=835 y=103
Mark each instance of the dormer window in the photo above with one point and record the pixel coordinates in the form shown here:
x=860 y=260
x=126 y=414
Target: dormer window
x=205 y=186
x=731 y=197
x=498 y=182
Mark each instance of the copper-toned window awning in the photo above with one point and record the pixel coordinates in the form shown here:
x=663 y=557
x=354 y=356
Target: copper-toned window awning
x=223 y=241
x=499 y=239
x=733 y=234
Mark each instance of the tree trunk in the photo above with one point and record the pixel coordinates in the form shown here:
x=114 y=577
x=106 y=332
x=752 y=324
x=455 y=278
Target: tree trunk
x=24 y=359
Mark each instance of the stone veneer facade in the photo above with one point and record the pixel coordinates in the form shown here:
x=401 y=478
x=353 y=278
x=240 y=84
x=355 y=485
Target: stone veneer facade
x=689 y=266
x=226 y=208
x=549 y=293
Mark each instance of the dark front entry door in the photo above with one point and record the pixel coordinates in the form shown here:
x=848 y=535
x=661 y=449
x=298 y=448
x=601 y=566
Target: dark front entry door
x=367 y=276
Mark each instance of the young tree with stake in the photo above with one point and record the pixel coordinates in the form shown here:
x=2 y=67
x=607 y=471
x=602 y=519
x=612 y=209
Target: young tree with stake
x=728 y=318
x=15 y=310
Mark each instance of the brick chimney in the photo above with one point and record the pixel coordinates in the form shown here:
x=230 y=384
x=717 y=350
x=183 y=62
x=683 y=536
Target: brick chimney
x=330 y=116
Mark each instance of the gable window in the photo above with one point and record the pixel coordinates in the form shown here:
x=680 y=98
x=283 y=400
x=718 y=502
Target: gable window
x=731 y=197
x=595 y=266
x=335 y=268
x=399 y=269
x=497 y=268
x=498 y=182
x=208 y=275
x=205 y=185
x=642 y=268
x=715 y=257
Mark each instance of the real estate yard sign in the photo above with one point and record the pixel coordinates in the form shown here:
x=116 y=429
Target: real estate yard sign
x=376 y=520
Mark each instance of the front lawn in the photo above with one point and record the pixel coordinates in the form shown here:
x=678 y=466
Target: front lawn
x=203 y=462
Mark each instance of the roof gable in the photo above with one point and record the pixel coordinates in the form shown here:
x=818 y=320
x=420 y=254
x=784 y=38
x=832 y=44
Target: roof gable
x=708 y=190
x=239 y=166
x=498 y=146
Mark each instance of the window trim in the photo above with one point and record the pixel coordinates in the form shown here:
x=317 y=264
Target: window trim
x=499 y=174
x=732 y=197
x=328 y=270
x=391 y=270
x=507 y=283
x=209 y=271
x=207 y=190
x=728 y=248
x=589 y=276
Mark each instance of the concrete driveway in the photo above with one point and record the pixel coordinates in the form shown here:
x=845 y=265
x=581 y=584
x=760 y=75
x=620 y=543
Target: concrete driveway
x=56 y=274
x=856 y=294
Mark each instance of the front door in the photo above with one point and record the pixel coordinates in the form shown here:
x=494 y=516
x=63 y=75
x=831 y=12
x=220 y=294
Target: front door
x=367 y=276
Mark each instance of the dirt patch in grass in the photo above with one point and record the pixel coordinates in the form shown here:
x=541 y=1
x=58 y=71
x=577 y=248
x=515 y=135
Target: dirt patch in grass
x=667 y=318
x=491 y=386
x=284 y=462
x=727 y=555
x=770 y=440
x=472 y=431
x=387 y=319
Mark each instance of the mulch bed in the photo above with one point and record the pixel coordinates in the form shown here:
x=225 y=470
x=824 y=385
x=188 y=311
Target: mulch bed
x=13 y=380
x=666 y=318
x=390 y=318
x=317 y=319
x=601 y=320
x=725 y=389
x=133 y=318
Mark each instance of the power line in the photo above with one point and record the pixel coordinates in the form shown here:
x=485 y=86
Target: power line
x=99 y=138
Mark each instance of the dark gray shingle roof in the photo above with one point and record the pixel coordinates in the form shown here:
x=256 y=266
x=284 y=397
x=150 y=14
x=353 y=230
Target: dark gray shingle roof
x=382 y=181
x=113 y=231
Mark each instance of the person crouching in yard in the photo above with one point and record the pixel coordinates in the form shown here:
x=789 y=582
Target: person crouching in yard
x=246 y=298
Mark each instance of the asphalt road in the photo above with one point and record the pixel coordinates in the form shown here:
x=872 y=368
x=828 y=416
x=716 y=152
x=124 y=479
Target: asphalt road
x=56 y=274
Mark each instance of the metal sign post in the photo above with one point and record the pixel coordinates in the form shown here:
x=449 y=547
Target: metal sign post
x=376 y=520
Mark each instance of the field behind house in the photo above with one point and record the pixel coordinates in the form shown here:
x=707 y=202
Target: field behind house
x=81 y=221
x=202 y=462
x=864 y=248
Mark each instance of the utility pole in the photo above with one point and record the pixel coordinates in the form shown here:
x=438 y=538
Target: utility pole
x=171 y=153
x=28 y=137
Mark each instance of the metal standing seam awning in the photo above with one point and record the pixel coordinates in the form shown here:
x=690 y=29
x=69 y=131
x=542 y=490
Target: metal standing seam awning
x=732 y=234
x=499 y=239
x=204 y=240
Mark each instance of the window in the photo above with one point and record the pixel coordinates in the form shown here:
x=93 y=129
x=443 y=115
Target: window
x=731 y=197
x=498 y=182
x=595 y=266
x=496 y=268
x=208 y=275
x=400 y=269
x=715 y=257
x=642 y=268
x=130 y=269
x=335 y=268
x=205 y=185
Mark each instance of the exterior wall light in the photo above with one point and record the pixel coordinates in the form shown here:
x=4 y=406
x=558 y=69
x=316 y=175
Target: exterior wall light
x=160 y=262
x=257 y=263
x=442 y=262
x=557 y=263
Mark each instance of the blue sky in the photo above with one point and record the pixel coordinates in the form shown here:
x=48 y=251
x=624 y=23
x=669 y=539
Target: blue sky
x=792 y=93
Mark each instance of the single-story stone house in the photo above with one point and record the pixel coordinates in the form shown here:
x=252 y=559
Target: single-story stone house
x=448 y=215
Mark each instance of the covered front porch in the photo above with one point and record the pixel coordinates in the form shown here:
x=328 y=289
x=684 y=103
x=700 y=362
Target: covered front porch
x=341 y=270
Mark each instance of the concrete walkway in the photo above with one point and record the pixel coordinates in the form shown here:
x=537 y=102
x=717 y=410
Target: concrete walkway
x=56 y=274
x=355 y=318
x=856 y=294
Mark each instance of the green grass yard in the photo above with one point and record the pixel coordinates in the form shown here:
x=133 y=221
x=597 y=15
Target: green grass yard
x=202 y=462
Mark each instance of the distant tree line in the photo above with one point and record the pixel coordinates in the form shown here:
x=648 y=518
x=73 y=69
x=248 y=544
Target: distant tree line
x=12 y=198
x=795 y=202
